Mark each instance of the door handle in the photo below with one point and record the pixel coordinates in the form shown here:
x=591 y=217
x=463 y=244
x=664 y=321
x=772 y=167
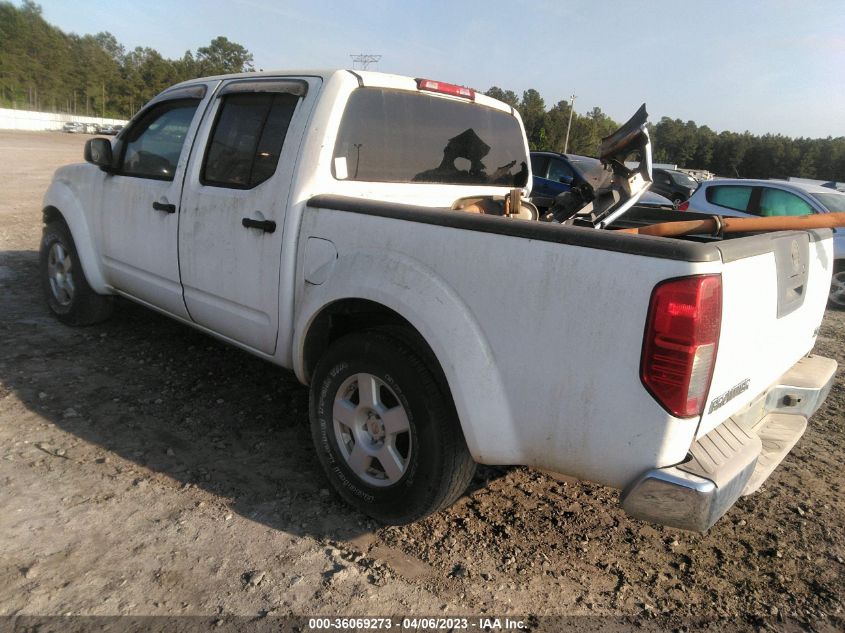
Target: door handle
x=268 y=226
x=167 y=208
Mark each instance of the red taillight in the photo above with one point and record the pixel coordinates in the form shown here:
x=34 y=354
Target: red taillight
x=446 y=89
x=683 y=206
x=681 y=336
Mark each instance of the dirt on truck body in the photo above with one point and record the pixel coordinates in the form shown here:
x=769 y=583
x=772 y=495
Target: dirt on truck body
x=147 y=469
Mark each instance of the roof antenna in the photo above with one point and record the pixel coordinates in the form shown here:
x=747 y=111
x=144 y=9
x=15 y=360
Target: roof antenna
x=362 y=61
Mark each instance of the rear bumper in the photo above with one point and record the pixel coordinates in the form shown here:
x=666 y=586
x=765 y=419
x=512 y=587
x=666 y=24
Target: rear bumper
x=735 y=458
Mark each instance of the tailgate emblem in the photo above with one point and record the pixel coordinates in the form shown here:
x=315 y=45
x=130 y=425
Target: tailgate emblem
x=729 y=395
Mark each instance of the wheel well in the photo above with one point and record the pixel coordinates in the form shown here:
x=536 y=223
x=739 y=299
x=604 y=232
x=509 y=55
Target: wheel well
x=357 y=315
x=52 y=214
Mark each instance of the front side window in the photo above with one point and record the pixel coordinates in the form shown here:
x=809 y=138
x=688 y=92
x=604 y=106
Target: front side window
x=560 y=171
x=780 y=202
x=247 y=139
x=539 y=165
x=734 y=197
x=153 y=145
x=399 y=136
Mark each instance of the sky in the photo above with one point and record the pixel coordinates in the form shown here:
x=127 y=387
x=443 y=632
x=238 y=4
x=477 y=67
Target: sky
x=773 y=66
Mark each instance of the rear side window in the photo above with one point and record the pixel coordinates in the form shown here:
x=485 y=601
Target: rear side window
x=399 y=136
x=247 y=139
x=734 y=197
x=780 y=202
x=153 y=145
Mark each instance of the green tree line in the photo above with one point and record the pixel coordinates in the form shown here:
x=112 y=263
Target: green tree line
x=43 y=68
x=687 y=145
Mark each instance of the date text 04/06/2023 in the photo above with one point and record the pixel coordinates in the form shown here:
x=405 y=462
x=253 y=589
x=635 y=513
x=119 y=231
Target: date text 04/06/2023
x=457 y=623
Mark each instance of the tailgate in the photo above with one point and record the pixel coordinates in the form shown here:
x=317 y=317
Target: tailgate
x=775 y=288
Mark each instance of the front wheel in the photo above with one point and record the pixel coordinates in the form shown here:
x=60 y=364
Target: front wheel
x=68 y=294
x=385 y=432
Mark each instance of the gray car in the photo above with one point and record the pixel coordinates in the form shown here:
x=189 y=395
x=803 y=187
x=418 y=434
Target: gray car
x=749 y=198
x=74 y=127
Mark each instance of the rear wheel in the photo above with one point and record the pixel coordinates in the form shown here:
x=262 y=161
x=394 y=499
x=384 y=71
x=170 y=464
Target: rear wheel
x=837 y=287
x=385 y=432
x=63 y=281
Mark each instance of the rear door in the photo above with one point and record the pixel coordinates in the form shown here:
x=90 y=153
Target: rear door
x=233 y=209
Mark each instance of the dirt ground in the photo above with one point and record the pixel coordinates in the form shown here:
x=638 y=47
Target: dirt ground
x=147 y=469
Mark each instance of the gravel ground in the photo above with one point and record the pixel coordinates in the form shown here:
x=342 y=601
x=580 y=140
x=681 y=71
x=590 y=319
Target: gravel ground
x=146 y=469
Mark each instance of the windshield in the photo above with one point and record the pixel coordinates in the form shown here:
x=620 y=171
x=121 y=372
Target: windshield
x=399 y=136
x=834 y=202
x=583 y=164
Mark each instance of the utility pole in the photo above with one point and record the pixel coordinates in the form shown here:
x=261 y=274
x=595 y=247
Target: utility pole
x=569 y=125
x=362 y=61
x=104 y=100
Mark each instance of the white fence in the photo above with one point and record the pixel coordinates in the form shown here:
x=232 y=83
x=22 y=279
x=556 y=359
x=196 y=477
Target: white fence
x=28 y=120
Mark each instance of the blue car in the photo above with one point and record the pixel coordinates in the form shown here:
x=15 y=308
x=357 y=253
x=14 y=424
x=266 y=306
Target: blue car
x=556 y=173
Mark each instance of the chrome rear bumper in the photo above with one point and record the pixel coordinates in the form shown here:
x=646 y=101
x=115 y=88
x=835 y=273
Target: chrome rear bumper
x=736 y=457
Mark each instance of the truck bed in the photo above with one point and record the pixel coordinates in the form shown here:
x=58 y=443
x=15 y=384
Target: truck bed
x=550 y=319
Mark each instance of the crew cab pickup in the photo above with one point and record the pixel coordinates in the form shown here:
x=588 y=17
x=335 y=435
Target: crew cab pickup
x=319 y=220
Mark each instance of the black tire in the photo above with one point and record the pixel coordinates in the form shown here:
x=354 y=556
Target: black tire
x=82 y=306
x=836 y=298
x=438 y=464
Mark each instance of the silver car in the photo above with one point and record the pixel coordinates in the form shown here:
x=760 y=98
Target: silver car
x=748 y=198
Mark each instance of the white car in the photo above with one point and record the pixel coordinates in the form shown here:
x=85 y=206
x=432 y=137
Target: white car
x=750 y=198
x=320 y=220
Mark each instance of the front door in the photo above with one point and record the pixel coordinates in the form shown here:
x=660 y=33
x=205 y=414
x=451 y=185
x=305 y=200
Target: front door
x=233 y=209
x=140 y=202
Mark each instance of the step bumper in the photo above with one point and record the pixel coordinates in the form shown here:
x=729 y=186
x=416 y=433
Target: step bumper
x=735 y=458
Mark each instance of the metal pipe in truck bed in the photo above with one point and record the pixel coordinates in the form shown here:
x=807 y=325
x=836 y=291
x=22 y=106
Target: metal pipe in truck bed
x=718 y=225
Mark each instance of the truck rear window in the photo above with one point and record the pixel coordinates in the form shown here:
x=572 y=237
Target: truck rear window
x=398 y=136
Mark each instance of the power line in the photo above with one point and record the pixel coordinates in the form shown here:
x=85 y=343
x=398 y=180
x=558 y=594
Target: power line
x=362 y=61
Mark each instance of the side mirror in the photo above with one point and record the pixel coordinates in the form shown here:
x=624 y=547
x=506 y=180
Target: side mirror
x=566 y=180
x=98 y=152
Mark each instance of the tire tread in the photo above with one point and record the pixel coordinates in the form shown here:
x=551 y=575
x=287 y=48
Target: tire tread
x=87 y=307
x=457 y=461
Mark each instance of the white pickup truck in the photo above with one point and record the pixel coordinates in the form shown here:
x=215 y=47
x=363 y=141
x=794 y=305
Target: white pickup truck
x=310 y=218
